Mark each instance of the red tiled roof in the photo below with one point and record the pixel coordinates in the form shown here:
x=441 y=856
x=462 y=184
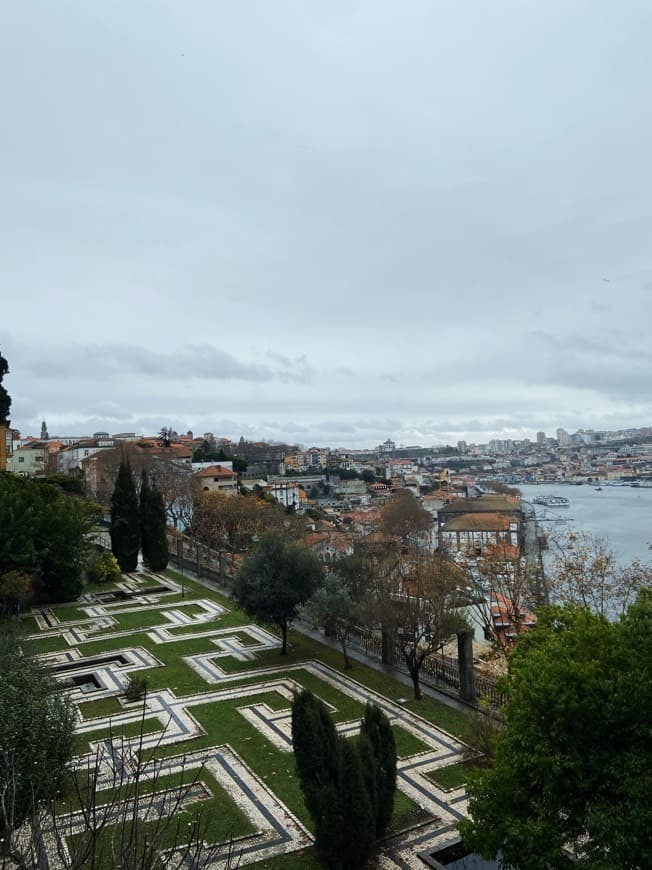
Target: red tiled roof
x=216 y=471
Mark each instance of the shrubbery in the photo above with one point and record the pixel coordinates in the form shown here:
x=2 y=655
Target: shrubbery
x=348 y=784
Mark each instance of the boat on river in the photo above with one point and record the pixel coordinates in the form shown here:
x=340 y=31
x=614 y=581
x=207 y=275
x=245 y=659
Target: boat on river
x=553 y=501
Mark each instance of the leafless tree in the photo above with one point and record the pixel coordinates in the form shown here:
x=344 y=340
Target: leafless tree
x=419 y=613
x=404 y=518
x=173 y=479
x=118 y=812
x=498 y=590
x=586 y=572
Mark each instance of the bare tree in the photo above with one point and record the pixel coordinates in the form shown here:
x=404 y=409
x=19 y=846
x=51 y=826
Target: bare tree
x=420 y=613
x=173 y=479
x=586 y=572
x=404 y=518
x=498 y=589
x=118 y=812
x=232 y=523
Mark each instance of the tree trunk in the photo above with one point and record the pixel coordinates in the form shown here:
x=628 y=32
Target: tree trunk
x=386 y=647
x=414 y=674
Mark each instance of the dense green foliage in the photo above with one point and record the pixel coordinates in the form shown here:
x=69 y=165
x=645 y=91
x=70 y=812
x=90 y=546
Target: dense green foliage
x=36 y=728
x=71 y=483
x=153 y=537
x=5 y=398
x=16 y=589
x=125 y=520
x=348 y=784
x=44 y=534
x=103 y=568
x=573 y=766
x=275 y=579
x=377 y=729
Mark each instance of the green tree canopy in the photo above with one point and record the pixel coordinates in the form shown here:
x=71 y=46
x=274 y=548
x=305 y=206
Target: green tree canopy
x=376 y=727
x=45 y=534
x=36 y=737
x=153 y=537
x=275 y=579
x=348 y=783
x=125 y=519
x=573 y=766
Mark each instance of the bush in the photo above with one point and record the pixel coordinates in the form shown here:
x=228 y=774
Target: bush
x=103 y=568
x=348 y=784
x=136 y=688
x=36 y=737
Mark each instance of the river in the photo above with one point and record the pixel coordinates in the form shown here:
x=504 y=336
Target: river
x=620 y=514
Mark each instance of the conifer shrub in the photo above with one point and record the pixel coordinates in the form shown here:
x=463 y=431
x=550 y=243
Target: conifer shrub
x=125 y=520
x=348 y=783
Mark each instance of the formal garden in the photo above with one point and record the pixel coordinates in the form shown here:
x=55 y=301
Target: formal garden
x=185 y=728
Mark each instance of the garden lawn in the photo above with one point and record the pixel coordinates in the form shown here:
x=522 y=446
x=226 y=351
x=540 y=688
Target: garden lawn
x=222 y=722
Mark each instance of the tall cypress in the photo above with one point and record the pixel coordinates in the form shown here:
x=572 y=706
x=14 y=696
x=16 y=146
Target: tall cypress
x=153 y=531
x=357 y=824
x=348 y=785
x=376 y=727
x=315 y=748
x=125 y=520
x=143 y=516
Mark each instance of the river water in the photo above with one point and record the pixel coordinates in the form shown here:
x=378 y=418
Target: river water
x=620 y=514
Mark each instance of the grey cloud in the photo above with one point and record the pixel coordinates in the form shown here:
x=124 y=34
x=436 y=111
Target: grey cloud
x=201 y=362
x=362 y=246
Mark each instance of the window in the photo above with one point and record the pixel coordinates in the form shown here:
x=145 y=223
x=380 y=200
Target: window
x=21 y=458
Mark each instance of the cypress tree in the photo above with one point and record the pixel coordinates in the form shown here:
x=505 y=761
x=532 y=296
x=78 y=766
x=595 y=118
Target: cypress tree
x=315 y=749
x=348 y=785
x=153 y=528
x=125 y=524
x=376 y=727
x=356 y=815
x=143 y=518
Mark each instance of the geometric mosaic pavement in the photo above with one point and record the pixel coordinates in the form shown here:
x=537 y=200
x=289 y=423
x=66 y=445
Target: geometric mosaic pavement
x=170 y=719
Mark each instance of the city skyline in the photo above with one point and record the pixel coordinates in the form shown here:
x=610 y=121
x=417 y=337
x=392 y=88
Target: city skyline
x=327 y=224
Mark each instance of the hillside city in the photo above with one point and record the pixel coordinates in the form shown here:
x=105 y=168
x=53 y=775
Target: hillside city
x=468 y=492
x=420 y=564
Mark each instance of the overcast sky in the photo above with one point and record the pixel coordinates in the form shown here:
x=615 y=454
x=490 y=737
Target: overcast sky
x=327 y=222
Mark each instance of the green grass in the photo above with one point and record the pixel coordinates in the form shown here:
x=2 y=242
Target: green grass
x=40 y=645
x=406 y=743
x=222 y=721
x=215 y=819
x=450 y=777
x=28 y=624
x=301 y=648
x=69 y=612
x=102 y=707
x=140 y=619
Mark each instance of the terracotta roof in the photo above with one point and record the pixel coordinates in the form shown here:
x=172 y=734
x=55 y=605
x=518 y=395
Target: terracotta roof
x=215 y=471
x=483 y=522
x=484 y=504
